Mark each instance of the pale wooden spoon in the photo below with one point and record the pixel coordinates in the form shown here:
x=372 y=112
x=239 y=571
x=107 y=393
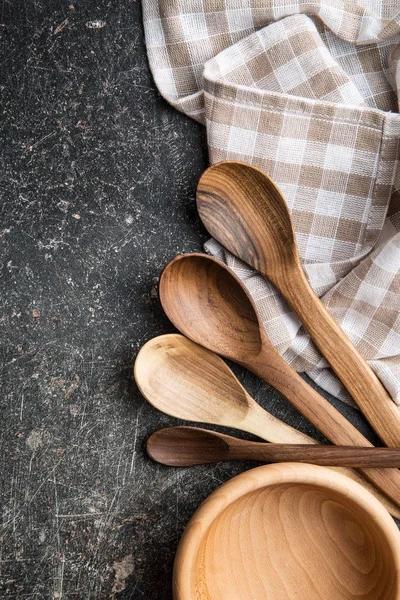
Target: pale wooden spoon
x=188 y=446
x=245 y=211
x=210 y=305
x=186 y=381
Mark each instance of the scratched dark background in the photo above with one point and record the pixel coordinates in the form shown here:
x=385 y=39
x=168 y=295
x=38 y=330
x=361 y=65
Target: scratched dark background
x=97 y=193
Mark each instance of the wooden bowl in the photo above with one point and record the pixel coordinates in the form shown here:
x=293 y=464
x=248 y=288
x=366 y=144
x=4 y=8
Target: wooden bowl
x=289 y=532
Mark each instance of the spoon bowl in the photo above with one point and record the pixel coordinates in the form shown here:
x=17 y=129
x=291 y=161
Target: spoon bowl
x=260 y=232
x=185 y=381
x=204 y=297
x=187 y=446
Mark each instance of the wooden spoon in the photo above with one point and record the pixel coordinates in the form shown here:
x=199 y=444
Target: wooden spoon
x=244 y=210
x=188 y=446
x=210 y=305
x=186 y=381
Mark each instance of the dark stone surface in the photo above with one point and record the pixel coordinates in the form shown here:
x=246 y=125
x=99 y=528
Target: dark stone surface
x=97 y=184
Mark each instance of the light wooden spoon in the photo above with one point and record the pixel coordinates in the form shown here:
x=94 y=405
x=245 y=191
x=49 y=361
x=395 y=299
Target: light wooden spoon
x=188 y=446
x=186 y=381
x=244 y=210
x=210 y=305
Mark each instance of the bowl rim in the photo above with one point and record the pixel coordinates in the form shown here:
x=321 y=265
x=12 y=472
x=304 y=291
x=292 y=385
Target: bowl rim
x=269 y=475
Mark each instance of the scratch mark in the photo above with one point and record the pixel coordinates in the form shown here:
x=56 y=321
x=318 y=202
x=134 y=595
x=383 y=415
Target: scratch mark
x=58 y=594
x=46 y=137
x=22 y=408
x=31 y=499
x=61 y=26
x=133 y=461
x=79 y=515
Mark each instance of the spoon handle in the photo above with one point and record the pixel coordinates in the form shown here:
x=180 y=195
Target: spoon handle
x=345 y=360
x=263 y=424
x=329 y=421
x=188 y=446
x=328 y=456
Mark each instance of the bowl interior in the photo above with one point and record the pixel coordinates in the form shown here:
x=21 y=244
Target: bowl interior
x=295 y=541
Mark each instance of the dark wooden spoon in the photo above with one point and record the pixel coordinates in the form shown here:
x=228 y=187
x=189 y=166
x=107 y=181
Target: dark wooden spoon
x=245 y=211
x=210 y=305
x=188 y=446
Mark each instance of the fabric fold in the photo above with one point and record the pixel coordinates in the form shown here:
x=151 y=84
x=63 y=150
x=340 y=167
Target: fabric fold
x=182 y=36
x=310 y=99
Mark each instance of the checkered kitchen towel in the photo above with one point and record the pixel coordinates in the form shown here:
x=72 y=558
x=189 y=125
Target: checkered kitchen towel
x=306 y=92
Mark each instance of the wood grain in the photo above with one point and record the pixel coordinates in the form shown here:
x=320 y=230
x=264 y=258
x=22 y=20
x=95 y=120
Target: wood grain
x=244 y=210
x=289 y=532
x=188 y=446
x=209 y=304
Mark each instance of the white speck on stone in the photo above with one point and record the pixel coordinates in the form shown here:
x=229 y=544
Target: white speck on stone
x=95 y=24
x=123 y=569
x=35 y=440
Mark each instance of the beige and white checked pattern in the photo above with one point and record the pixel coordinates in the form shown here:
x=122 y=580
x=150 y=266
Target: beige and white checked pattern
x=307 y=92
